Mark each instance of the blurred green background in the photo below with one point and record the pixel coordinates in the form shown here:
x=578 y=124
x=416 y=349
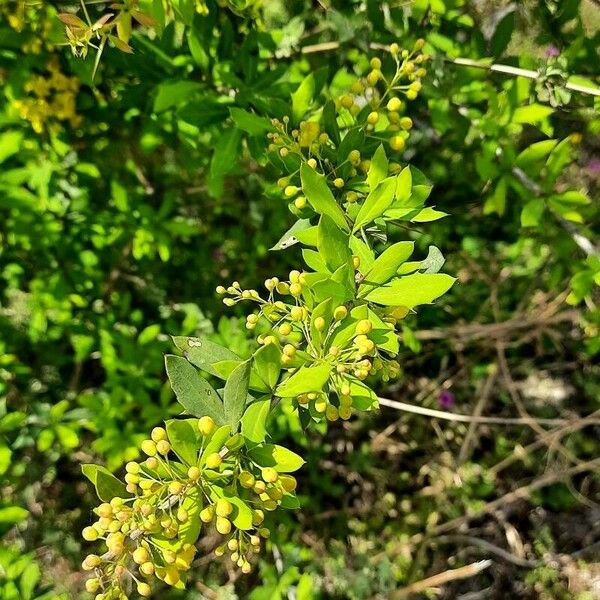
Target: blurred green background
x=125 y=199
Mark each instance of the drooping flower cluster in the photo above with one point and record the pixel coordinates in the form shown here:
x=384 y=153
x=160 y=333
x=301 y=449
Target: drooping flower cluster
x=195 y=475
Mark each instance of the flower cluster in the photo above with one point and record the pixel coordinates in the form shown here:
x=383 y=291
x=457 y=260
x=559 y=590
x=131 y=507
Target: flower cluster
x=196 y=474
x=372 y=112
x=51 y=98
x=347 y=344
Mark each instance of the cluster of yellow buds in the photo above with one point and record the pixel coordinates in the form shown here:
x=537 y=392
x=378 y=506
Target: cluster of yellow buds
x=51 y=99
x=374 y=105
x=306 y=336
x=194 y=474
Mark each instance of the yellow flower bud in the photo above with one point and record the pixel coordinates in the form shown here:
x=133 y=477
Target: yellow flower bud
x=394 y=104
x=89 y=534
x=258 y=516
x=364 y=327
x=347 y=101
x=247 y=480
x=105 y=510
x=297 y=313
x=296 y=290
x=269 y=474
x=140 y=555
x=290 y=191
x=144 y=589
x=397 y=143
x=288 y=483
x=356 y=261
x=223 y=525
x=340 y=313
x=300 y=202
x=345 y=412
x=375 y=63
x=207 y=514
x=193 y=473
x=312 y=163
x=406 y=123
x=319 y=323
x=357 y=87
x=332 y=413
x=223 y=507
x=158 y=434
x=206 y=425
x=354 y=157
x=214 y=460
x=175 y=487
x=163 y=447
x=394 y=49
x=373 y=118
x=321 y=405
x=338 y=182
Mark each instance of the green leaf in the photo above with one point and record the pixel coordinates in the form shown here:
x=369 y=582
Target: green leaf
x=289 y=238
x=387 y=263
x=217 y=439
x=302 y=98
x=305 y=379
x=106 y=484
x=532 y=212
x=267 y=362
x=319 y=195
x=193 y=392
x=404 y=184
x=173 y=93
x=184 y=436
x=412 y=290
x=254 y=421
x=502 y=34
x=278 y=457
x=225 y=155
x=535 y=153
x=379 y=168
x=363 y=397
x=10 y=142
x=332 y=244
x=376 y=203
x=533 y=113
x=364 y=253
x=204 y=353
x=427 y=215
x=497 y=201
x=10 y=515
x=236 y=394
x=249 y=122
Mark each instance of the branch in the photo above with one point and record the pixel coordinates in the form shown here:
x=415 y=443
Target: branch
x=517 y=72
x=442 y=578
x=459 y=418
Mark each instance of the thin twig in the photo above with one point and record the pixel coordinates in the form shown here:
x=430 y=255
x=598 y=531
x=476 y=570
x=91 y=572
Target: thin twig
x=517 y=72
x=465 y=449
x=442 y=578
x=459 y=418
x=489 y=547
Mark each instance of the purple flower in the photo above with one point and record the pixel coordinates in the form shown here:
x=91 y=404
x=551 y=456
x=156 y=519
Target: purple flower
x=593 y=166
x=218 y=254
x=552 y=52
x=446 y=399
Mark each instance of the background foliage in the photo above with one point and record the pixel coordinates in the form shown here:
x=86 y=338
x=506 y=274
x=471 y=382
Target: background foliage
x=126 y=198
